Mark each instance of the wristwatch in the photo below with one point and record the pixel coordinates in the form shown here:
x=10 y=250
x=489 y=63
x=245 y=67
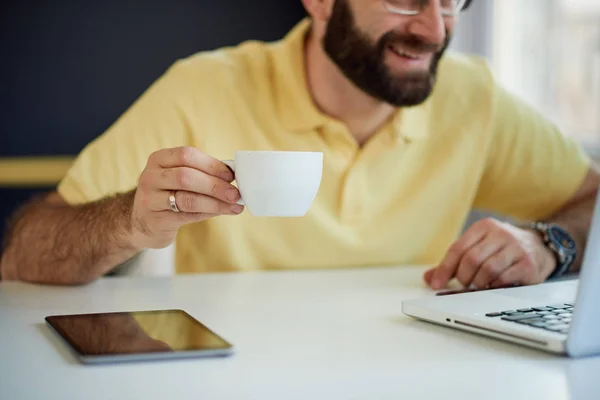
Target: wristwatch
x=560 y=242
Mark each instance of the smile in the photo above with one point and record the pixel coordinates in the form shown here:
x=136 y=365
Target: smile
x=404 y=53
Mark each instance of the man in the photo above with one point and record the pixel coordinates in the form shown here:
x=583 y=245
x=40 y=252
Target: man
x=412 y=141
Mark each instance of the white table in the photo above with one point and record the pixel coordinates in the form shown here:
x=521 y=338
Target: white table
x=300 y=335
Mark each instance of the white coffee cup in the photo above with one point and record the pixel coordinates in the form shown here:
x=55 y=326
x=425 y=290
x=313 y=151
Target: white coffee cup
x=277 y=183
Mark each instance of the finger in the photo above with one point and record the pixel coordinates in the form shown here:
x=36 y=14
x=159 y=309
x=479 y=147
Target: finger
x=190 y=202
x=184 y=218
x=428 y=275
x=191 y=157
x=474 y=258
x=447 y=268
x=191 y=180
x=513 y=276
x=190 y=218
x=495 y=265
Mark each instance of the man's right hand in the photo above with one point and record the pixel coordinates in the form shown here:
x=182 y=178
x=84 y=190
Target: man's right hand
x=202 y=188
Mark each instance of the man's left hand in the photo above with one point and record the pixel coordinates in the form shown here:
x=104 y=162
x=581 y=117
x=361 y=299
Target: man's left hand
x=492 y=254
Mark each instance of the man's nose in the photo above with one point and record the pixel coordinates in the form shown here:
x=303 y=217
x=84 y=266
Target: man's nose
x=429 y=24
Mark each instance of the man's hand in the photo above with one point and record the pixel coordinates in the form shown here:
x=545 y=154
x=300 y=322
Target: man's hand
x=202 y=189
x=493 y=254
x=75 y=244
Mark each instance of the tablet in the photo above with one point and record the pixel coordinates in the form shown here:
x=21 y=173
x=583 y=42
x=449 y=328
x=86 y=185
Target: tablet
x=137 y=336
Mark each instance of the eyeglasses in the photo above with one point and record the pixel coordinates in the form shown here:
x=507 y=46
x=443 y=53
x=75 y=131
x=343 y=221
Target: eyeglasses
x=450 y=8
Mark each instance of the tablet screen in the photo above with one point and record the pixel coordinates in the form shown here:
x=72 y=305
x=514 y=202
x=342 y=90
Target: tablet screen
x=135 y=332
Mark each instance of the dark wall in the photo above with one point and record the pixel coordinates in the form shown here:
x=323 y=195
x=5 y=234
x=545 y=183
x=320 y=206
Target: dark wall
x=70 y=67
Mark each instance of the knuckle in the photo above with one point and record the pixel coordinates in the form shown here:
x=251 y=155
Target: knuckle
x=212 y=167
x=185 y=155
x=489 y=267
x=488 y=223
x=486 y=274
x=472 y=258
x=215 y=187
x=183 y=178
x=154 y=156
x=506 y=232
x=144 y=179
x=456 y=249
x=165 y=174
x=528 y=263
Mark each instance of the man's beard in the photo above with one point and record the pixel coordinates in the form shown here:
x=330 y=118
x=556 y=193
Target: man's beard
x=363 y=62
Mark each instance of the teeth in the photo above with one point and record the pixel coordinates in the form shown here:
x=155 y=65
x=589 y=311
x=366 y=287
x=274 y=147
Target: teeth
x=404 y=53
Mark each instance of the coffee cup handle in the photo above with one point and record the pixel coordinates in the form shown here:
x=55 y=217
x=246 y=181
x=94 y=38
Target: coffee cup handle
x=231 y=165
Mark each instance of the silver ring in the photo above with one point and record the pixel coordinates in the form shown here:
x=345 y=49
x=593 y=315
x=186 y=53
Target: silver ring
x=173 y=203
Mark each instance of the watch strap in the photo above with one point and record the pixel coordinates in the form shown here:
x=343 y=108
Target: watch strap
x=563 y=260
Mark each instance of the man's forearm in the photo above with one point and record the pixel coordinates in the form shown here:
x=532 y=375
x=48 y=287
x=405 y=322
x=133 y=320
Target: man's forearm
x=576 y=220
x=60 y=244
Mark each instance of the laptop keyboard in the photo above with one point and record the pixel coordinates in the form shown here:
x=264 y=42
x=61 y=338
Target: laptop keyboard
x=555 y=318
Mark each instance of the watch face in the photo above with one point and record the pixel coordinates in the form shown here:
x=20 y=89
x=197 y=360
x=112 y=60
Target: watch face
x=562 y=238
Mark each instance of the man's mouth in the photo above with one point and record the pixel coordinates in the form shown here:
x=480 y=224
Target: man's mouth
x=399 y=51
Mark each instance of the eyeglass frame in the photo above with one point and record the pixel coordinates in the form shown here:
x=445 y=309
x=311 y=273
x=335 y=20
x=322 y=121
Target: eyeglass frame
x=462 y=6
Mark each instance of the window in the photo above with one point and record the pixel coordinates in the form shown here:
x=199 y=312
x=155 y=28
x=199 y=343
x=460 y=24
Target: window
x=545 y=51
x=548 y=52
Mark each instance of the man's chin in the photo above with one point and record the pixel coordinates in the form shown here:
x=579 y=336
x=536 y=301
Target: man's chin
x=409 y=75
x=411 y=93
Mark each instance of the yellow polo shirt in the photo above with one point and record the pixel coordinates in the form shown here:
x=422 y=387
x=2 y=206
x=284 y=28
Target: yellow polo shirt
x=402 y=198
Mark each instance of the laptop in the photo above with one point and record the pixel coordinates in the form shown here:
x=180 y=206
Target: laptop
x=559 y=317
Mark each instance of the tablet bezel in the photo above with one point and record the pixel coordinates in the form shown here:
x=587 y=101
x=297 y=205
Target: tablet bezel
x=85 y=358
